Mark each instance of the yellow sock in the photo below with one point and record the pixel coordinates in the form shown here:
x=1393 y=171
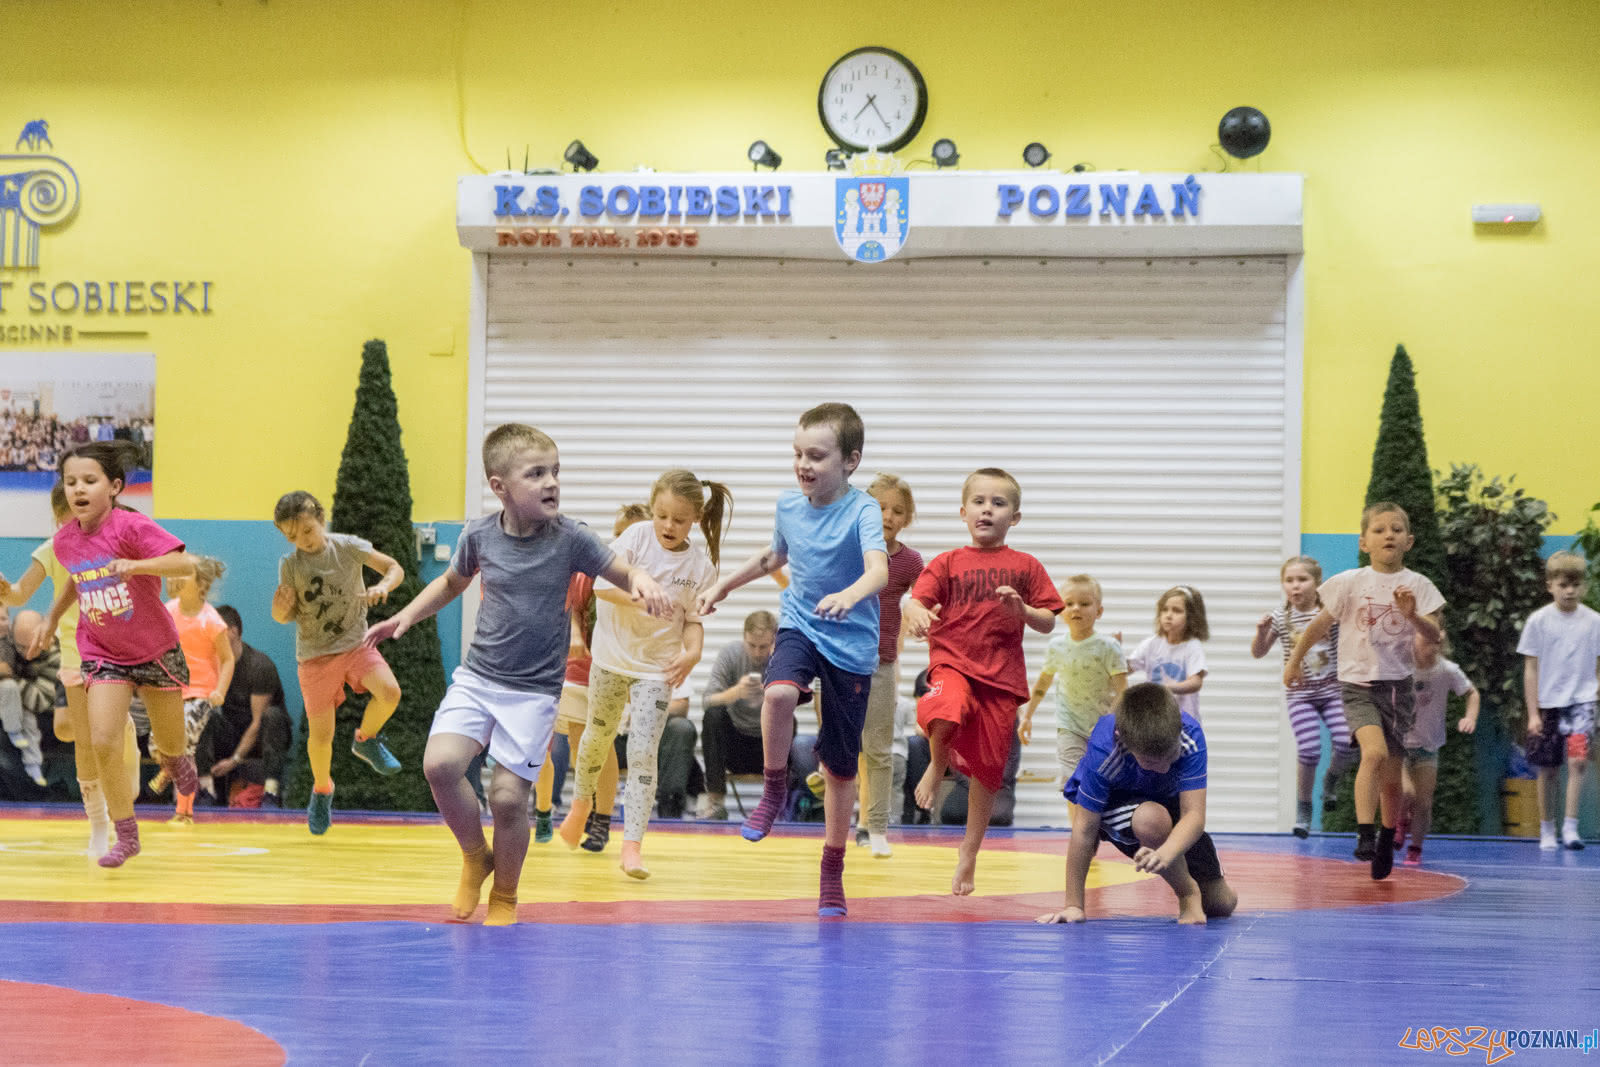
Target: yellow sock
x=476 y=867
x=502 y=909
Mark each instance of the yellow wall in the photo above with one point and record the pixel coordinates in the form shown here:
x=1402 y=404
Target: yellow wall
x=302 y=153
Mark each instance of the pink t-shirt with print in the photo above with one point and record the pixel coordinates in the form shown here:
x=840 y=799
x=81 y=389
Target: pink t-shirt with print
x=120 y=619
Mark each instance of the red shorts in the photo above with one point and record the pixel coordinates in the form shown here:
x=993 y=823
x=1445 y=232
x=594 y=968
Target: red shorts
x=985 y=719
x=322 y=680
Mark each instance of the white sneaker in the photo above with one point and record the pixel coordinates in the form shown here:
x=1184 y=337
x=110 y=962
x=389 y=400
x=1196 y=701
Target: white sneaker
x=880 y=846
x=1547 y=841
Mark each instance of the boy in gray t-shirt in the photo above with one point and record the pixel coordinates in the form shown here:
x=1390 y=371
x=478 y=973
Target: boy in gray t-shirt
x=503 y=696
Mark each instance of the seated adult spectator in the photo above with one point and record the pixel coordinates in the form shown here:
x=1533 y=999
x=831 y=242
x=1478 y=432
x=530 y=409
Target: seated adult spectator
x=730 y=732
x=252 y=724
x=27 y=690
x=953 y=812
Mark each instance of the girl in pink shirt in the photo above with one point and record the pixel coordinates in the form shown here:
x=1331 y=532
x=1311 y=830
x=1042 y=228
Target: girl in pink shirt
x=206 y=649
x=115 y=559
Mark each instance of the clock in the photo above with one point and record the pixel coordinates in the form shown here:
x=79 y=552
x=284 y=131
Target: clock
x=872 y=98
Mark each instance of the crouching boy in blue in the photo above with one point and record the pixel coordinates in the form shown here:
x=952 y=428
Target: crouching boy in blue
x=1142 y=786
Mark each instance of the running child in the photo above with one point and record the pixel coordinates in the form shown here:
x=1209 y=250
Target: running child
x=503 y=696
x=206 y=649
x=1141 y=785
x=640 y=659
x=1087 y=669
x=115 y=559
x=972 y=604
x=322 y=589
x=878 y=736
x=73 y=727
x=831 y=535
x=1315 y=702
x=1435 y=679
x=1560 y=645
x=1380 y=610
x=1173 y=656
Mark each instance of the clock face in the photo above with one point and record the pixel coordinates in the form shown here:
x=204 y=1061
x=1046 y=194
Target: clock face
x=872 y=98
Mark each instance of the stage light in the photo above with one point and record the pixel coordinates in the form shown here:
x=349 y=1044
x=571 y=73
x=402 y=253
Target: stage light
x=834 y=158
x=762 y=155
x=945 y=154
x=1036 y=154
x=1244 y=132
x=580 y=157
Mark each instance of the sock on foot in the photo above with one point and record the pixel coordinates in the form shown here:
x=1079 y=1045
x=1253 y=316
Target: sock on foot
x=1383 y=858
x=185 y=804
x=1569 y=834
x=774 y=786
x=181 y=770
x=830 y=894
x=126 y=845
x=1365 y=840
x=476 y=867
x=1302 y=819
x=94 y=806
x=502 y=908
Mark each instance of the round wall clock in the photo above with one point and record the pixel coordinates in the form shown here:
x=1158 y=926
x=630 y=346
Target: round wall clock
x=872 y=98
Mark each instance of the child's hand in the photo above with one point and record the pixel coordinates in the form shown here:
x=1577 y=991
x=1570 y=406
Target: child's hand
x=1011 y=600
x=1534 y=724
x=1264 y=627
x=836 y=605
x=391 y=629
x=1025 y=727
x=706 y=603
x=122 y=568
x=1292 y=674
x=679 y=668
x=40 y=643
x=1150 y=860
x=1468 y=724
x=5 y=587
x=376 y=594
x=216 y=698
x=920 y=620
x=1065 y=915
x=283 y=601
x=649 y=595
x=1405 y=601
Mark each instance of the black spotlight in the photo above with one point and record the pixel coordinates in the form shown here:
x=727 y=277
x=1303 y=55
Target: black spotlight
x=944 y=153
x=834 y=158
x=762 y=155
x=1036 y=154
x=1244 y=132
x=580 y=157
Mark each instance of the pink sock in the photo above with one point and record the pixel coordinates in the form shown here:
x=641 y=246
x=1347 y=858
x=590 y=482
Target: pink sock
x=126 y=845
x=181 y=770
x=775 y=784
x=830 y=895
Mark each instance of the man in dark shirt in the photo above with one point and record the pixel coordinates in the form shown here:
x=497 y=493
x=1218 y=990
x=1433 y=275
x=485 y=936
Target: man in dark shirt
x=253 y=725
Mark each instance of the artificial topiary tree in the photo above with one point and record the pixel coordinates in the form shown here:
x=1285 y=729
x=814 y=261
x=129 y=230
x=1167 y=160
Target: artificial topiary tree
x=1493 y=533
x=1400 y=474
x=372 y=499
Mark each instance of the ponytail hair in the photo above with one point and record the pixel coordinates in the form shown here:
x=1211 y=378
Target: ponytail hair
x=293 y=505
x=115 y=458
x=713 y=505
x=58 y=502
x=627 y=515
x=208 y=570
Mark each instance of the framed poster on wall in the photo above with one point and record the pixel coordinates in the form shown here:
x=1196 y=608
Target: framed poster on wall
x=50 y=403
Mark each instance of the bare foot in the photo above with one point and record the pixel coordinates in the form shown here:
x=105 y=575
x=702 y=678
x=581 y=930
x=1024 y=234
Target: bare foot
x=966 y=868
x=571 y=829
x=927 y=789
x=632 y=865
x=1191 y=912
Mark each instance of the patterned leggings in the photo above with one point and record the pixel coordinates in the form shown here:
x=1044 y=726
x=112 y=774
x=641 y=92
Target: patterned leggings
x=646 y=703
x=197 y=712
x=1308 y=707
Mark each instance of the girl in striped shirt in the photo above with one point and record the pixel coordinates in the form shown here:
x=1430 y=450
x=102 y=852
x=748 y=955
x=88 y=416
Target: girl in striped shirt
x=1315 y=702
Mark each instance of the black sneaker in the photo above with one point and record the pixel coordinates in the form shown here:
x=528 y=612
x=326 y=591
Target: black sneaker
x=596 y=831
x=1367 y=849
x=1383 y=855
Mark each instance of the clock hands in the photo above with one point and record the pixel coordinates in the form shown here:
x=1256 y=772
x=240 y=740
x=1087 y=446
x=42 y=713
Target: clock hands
x=873 y=101
x=869 y=103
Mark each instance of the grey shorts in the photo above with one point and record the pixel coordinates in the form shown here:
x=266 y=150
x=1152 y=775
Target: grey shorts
x=1387 y=705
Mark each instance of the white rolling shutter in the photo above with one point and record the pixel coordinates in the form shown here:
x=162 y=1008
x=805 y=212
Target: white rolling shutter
x=1149 y=409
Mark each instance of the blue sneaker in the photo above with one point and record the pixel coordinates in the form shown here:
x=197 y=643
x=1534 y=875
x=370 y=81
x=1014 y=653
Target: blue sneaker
x=319 y=813
x=374 y=754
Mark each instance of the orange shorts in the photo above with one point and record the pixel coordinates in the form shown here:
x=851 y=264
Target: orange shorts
x=985 y=718
x=322 y=680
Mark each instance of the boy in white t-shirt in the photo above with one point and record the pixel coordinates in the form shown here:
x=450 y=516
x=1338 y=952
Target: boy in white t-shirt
x=1380 y=610
x=1561 y=646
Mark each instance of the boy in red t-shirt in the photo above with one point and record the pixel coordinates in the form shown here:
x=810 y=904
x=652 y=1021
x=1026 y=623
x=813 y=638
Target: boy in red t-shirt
x=971 y=604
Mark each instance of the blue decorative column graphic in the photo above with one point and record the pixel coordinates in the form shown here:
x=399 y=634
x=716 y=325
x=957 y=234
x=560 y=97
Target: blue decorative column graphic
x=36 y=191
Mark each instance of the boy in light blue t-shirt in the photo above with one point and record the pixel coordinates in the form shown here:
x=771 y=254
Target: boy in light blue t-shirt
x=831 y=535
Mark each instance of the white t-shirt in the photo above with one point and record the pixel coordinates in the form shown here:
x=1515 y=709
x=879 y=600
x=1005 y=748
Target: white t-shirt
x=1434 y=686
x=1375 y=640
x=627 y=639
x=1162 y=661
x=1567 y=644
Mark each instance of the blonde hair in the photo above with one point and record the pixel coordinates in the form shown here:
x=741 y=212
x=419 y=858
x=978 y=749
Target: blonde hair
x=208 y=571
x=1086 y=582
x=885 y=483
x=1565 y=565
x=1311 y=565
x=1383 y=507
x=1194 y=612
x=996 y=473
x=58 y=502
x=505 y=443
x=627 y=515
x=713 y=505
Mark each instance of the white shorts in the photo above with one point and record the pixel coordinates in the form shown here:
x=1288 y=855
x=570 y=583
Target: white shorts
x=513 y=724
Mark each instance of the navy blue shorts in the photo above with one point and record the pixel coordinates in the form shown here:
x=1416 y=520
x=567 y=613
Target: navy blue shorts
x=1116 y=827
x=795 y=661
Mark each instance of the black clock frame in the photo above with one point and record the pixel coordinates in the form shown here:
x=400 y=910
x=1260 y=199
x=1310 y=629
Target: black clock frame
x=916 y=120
